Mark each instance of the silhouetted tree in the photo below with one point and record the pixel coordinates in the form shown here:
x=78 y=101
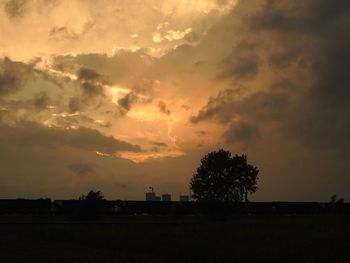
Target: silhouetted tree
x=336 y=204
x=221 y=177
x=92 y=205
x=92 y=196
x=334 y=200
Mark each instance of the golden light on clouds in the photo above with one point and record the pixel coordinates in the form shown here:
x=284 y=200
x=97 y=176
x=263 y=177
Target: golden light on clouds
x=147 y=113
x=142 y=157
x=155 y=84
x=117 y=93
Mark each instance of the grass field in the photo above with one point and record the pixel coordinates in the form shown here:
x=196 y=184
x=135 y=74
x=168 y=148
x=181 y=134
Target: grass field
x=239 y=239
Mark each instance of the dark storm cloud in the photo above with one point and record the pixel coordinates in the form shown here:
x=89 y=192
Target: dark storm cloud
x=92 y=90
x=128 y=100
x=87 y=74
x=312 y=37
x=92 y=95
x=320 y=118
x=141 y=94
x=31 y=134
x=308 y=17
x=12 y=75
x=74 y=104
x=9 y=83
x=82 y=168
x=219 y=107
x=91 y=84
x=261 y=106
x=41 y=101
x=163 y=108
x=285 y=58
x=58 y=81
x=242 y=132
x=242 y=64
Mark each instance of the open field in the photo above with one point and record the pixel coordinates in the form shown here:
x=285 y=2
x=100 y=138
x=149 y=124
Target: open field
x=151 y=239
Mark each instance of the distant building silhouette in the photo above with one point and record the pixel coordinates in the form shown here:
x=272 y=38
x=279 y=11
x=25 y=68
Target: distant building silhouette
x=150 y=196
x=166 y=197
x=184 y=198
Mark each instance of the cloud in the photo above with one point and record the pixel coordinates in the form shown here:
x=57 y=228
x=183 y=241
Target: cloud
x=242 y=132
x=242 y=64
x=219 y=107
x=128 y=100
x=92 y=90
x=160 y=144
x=82 y=168
x=38 y=94
x=12 y=75
x=299 y=88
x=116 y=68
x=305 y=18
x=87 y=74
x=163 y=108
x=31 y=134
x=75 y=104
x=164 y=33
x=261 y=74
x=62 y=32
x=318 y=120
x=41 y=101
x=15 y=8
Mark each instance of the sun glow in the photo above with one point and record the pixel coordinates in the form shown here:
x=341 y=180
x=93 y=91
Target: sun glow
x=147 y=113
x=117 y=92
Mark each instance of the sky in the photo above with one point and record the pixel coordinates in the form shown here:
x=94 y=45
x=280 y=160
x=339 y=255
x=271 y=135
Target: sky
x=120 y=95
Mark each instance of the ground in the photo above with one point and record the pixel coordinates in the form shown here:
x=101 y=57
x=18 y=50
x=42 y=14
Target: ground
x=156 y=239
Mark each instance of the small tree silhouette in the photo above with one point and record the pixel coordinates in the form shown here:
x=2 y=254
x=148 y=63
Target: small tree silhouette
x=335 y=200
x=221 y=177
x=92 y=196
x=92 y=205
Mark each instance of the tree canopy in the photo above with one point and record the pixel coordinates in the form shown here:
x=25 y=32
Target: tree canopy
x=223 y=177
x=92 y=196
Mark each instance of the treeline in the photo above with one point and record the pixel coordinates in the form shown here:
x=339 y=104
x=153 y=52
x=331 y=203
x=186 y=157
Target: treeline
x=91 y=208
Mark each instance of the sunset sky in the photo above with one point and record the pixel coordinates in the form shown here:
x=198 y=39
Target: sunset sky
x=120 y=95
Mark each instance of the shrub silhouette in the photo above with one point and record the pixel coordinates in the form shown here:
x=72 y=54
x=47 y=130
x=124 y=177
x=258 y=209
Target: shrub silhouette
x=221 y=177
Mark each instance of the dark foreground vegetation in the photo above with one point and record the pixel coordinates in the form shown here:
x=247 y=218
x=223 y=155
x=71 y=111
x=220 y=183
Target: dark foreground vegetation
x=218 y=227
x=86 y=209
x=259 y=238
